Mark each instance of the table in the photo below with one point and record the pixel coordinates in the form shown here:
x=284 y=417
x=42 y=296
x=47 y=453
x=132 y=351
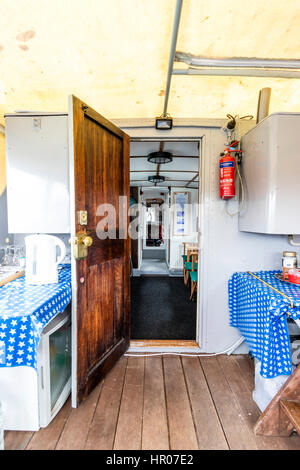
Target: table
x=25 y=310
x=260 y=314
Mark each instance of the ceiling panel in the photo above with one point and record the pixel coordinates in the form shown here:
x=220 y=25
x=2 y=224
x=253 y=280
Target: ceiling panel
x=166 y=184
x=177 y=148
x=178 y=164
x=114 y=55
x=180 y=171
x=168 y=175
x=235 y=28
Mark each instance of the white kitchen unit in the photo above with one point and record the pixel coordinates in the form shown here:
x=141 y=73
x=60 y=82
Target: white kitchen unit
x=31 y=398
x=37 y=172
x=271 y=175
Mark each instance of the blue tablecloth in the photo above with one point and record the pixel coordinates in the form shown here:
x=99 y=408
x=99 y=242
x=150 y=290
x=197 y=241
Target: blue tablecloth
x=260 y=314
x=24 y=311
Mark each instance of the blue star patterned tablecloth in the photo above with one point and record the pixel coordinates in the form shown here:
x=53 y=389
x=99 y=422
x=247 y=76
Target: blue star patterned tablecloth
x=25 y=310
x=260 y=314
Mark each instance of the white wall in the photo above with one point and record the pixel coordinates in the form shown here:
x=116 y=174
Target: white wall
x=223 y=249
x=3 y=218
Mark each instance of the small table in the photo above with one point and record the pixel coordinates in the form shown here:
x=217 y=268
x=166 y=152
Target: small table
x=25 y=310
x=260 y=314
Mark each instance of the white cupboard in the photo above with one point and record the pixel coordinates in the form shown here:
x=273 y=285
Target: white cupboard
x=37 y=172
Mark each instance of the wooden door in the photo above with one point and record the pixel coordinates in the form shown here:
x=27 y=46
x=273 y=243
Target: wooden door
x=99 y=169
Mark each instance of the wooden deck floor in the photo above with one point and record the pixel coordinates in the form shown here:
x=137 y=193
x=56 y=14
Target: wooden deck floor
x=162 y=403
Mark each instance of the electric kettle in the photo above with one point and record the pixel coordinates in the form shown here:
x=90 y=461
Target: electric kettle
x=41 y=258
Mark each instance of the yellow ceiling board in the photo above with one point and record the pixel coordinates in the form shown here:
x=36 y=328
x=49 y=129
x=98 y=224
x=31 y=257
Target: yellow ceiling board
x=108 y=53
x=240 y=28
x=114 y=55
x=202 y=96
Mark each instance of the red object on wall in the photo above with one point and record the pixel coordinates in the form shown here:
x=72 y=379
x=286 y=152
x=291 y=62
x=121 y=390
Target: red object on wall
x=227 y=176
x=294 y=276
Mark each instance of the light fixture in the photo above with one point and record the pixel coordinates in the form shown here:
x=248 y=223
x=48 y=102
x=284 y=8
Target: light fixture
x=160 y=157
x=164 y=122
x=156 y=179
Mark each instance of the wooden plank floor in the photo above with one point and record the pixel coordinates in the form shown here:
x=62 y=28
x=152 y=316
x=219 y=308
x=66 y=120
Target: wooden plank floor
x=168 y=402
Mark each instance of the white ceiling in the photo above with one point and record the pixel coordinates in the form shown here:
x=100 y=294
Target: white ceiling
x=179 y=172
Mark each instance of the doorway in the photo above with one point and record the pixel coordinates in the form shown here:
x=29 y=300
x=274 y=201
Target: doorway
x=154 y=254
x=162 y=307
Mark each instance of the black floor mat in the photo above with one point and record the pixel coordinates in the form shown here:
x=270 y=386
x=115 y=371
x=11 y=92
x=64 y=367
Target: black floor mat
x=161 y=309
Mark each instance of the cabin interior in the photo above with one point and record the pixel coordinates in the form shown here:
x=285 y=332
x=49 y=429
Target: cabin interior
x=149 y=225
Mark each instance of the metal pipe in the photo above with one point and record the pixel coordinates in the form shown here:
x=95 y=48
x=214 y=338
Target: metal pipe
x=263 y=104
x=172 y=52
x=192 y=180
x=292 y=241
x=239 y=72
x=238 y=62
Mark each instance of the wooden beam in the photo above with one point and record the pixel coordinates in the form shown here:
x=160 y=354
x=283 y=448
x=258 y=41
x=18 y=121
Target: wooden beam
x=292 y=411
x=193 y=179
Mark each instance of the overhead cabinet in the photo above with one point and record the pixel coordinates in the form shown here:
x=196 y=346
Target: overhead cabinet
x=271 y=175
x=37 y=173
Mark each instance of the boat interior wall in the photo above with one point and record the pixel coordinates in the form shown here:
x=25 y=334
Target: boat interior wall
x=3 y=218
x=223 y=249
x=3 y=200
x=19 y=239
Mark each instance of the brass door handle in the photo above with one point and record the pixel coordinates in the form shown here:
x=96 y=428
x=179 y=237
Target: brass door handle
x=81 y=243
x=87 y=241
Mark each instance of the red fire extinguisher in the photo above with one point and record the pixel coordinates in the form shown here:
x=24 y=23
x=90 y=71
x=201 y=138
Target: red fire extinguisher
x=227 y=171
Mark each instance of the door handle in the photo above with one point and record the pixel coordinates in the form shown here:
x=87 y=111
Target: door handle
x=81 y=243
x=87 y=241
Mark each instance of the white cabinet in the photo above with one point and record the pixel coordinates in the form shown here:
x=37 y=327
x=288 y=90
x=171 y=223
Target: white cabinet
x=37 y=173
x=271 y=176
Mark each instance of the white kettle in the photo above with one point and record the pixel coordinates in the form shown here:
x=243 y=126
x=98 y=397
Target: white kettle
x=41 y=262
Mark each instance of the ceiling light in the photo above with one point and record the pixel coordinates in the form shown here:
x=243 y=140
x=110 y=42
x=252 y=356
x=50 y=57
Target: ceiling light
x=164 y=123
x=160 y=157
x=156 y=179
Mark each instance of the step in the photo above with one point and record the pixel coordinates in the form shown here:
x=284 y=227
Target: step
x=274 y=421
x=292 y=410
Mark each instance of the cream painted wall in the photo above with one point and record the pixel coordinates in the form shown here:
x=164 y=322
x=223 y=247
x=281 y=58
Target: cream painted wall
x=3 y=204
x=223 y=249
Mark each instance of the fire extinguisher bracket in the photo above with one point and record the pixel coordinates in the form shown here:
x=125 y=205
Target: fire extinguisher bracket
x=239 y=157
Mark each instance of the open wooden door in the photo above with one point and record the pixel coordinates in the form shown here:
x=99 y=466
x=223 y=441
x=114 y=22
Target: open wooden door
x=99 y=174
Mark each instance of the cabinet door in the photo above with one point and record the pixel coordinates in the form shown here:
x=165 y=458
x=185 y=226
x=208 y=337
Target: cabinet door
x=37 y=173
